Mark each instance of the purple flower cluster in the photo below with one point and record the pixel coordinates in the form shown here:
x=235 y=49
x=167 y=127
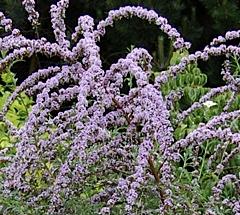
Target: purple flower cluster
x=33 y=15
x=57 y=18
x=6 y=23
x=125 y=138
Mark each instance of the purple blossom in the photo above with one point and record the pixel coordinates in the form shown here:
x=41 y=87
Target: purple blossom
x=125 y=138
x=33 y=15
x=6 y=23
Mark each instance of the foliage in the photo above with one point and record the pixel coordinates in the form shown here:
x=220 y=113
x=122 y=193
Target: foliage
x=18 y=111
x=125 y=140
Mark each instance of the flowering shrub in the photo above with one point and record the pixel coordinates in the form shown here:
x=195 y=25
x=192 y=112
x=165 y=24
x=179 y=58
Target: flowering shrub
x=121 y=138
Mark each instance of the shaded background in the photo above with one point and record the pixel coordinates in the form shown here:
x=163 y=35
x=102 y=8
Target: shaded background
x=198 y=21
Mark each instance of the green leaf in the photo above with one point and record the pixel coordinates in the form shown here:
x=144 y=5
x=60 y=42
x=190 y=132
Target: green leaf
x=180 y=131
x=8 y=77
x=5 y=142
x=4 y=98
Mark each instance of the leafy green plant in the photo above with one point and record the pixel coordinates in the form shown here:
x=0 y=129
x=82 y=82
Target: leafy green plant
x=124 y=140
x=18 y=111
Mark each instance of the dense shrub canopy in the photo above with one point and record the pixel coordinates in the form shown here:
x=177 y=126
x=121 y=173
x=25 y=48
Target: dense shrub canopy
x=116 y=128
